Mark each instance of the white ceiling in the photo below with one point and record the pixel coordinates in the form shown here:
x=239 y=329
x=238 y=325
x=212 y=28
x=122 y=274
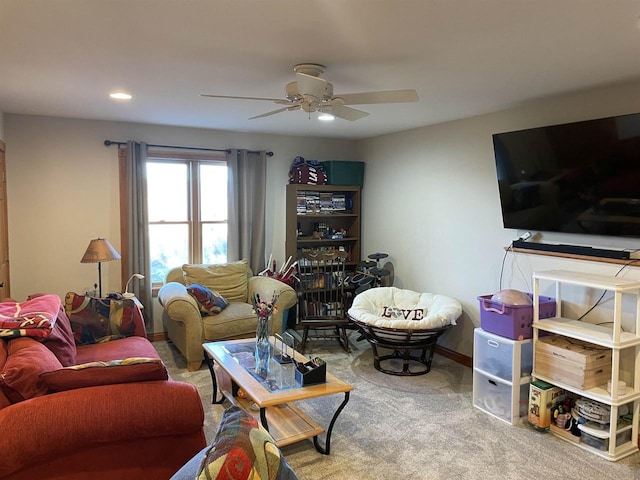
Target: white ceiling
x=464 y=57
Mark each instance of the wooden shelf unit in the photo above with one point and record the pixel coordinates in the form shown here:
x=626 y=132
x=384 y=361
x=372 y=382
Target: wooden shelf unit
x=348 y=220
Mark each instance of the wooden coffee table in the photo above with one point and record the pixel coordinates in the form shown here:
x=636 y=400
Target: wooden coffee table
x=231 y=371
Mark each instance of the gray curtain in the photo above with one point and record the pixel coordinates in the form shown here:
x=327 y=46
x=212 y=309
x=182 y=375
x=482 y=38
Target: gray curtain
x=137 y=246
x=247 y=187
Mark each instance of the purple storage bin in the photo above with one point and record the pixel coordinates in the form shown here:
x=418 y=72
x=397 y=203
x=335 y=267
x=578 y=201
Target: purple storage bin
x=512 y=321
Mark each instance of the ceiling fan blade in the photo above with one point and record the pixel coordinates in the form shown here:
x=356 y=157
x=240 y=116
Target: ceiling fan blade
x=279 y=101
x=346 y=113
x=390 y=96
x=273 y=112
x=310 y=85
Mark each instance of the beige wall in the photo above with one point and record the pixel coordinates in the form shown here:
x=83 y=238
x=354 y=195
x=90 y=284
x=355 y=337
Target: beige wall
x=63 y=191
x=1 y=125
x=449 y=238
x=430 y=200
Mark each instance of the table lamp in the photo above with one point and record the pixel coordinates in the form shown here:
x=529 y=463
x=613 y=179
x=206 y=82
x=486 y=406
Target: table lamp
x=100 y=250
x=126 y=293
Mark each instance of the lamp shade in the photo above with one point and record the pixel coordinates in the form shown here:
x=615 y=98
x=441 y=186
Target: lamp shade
x=100 y=250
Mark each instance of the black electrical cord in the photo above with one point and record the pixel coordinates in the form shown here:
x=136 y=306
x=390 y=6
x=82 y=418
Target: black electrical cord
x=504 y=258
x=605 y=292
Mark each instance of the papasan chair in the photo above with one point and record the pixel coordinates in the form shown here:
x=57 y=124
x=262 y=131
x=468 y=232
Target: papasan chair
x=403 y=321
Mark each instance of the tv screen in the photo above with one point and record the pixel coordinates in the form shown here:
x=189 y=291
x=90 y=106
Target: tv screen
x=581 y=177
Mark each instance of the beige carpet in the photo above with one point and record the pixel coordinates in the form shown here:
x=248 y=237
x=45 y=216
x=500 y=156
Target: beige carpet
x=421 y=427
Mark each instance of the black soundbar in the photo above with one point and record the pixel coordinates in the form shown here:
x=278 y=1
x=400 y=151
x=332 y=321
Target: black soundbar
x=572 y=249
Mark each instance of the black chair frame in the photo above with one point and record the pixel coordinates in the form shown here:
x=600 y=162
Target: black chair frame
x=403 y=343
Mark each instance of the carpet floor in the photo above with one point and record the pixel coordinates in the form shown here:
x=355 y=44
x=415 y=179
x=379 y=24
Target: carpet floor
x=422 y=427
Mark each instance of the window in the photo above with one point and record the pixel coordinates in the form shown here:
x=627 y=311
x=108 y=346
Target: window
x=187 y=201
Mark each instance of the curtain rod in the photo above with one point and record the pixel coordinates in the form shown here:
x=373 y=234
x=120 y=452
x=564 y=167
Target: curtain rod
x=108 y=143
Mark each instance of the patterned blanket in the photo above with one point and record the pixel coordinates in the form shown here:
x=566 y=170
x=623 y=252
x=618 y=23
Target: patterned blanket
x=33 y=318
x=96 y=320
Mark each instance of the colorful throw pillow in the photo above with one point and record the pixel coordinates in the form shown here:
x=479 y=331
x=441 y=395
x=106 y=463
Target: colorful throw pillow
x=229 y=279
x=242 y=449
x=26 y=360
x=96 y=320
x=128 y=370
x=208 y=301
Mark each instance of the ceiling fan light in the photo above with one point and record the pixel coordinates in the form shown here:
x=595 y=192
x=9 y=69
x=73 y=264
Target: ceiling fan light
x=326 y=117
x=120 y=96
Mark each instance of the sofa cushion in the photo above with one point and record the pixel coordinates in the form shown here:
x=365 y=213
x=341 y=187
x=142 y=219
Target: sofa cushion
x=4 y=353
x=241 y=449
x=208 y=301
x=236 y=321
x=116 y=350
x=20 y=376
x=228 y=279
x=128 y=370
x=61 y=341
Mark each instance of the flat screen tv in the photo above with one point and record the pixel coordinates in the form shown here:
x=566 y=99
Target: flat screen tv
x=581 y=177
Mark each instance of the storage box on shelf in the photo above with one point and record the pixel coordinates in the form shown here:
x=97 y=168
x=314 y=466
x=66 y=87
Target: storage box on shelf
x=579 y=364
x=341 y=172
x=594 y=423
x=501 y=375
x=512 y=321
x=624 y=348
x=599 y=439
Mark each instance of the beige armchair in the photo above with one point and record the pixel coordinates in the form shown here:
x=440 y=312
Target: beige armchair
x=188 y=328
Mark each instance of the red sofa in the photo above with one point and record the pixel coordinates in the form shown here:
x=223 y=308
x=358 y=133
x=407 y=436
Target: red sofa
x=74 y=419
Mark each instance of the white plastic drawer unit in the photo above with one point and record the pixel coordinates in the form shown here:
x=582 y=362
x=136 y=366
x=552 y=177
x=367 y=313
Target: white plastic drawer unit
x=502 y=357
x=503 y=400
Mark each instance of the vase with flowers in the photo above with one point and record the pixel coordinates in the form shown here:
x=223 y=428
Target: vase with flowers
x=263 y=310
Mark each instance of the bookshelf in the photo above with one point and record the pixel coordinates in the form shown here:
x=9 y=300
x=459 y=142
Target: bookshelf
x=315 y=212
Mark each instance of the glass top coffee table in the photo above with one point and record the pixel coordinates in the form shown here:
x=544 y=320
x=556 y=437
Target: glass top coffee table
x=231 y=364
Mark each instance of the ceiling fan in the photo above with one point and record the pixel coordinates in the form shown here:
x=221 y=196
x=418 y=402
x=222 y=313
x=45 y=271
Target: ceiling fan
x=311 y=93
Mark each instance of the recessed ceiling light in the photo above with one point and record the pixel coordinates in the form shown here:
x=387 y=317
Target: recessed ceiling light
x=120 y=96
x=326 y=117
